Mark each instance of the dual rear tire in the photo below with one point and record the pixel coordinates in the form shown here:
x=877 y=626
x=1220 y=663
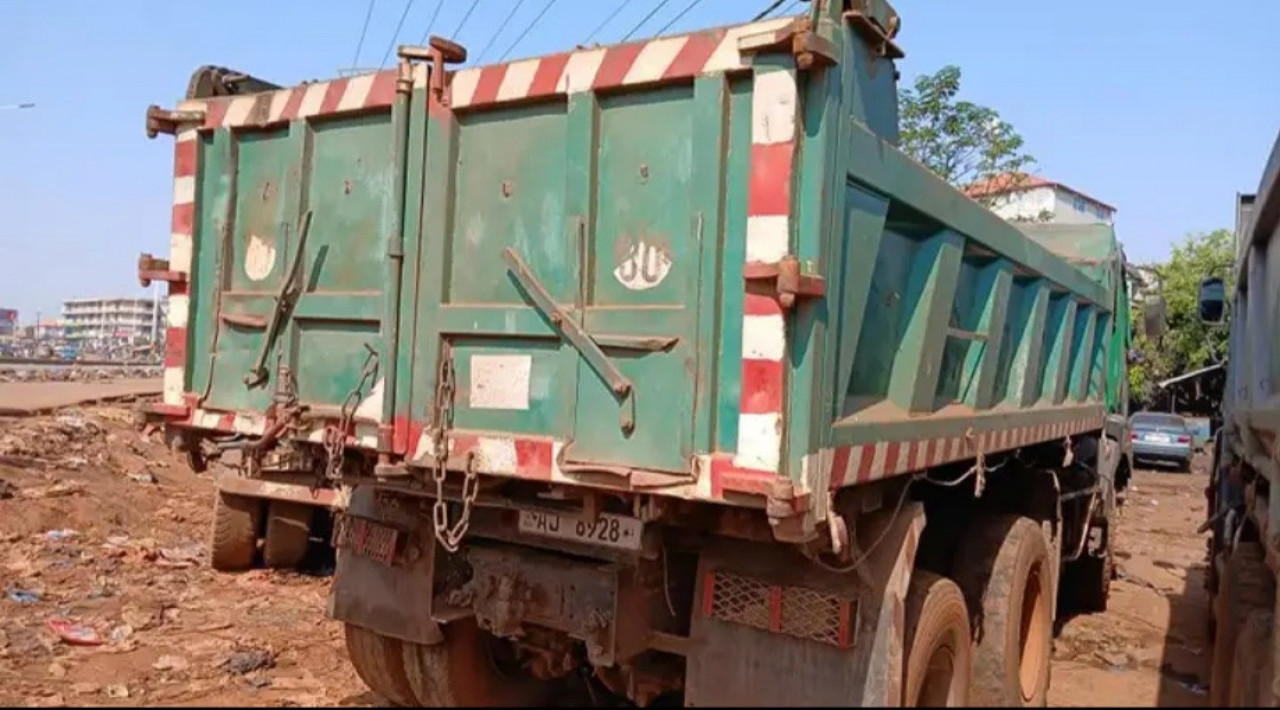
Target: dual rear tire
x=238 y=521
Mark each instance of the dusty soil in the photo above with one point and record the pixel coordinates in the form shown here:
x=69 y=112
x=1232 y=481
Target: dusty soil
x=105 y=529
x=1150 y=648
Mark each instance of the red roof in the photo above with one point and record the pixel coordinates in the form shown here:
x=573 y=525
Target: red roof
x=1014 y=182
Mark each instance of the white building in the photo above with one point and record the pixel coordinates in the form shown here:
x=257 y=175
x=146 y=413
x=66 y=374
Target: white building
x=1033 y=198
x=109 y=320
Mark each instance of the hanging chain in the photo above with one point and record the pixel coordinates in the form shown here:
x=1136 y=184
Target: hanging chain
x=335 y=438
x=450 y=537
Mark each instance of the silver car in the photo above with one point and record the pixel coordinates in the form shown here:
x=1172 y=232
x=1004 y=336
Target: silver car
x=1161 y=437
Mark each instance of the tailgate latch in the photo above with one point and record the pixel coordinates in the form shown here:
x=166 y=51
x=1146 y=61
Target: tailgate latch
x=153 y=269
x=790 y=282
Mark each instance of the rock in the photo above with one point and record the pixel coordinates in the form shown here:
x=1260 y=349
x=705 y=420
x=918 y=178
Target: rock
x=171 y=663
x=139 y=619
x=117 y=690
x=247 y=661
x=85 y=688
x=144 y=477
x=57 y=670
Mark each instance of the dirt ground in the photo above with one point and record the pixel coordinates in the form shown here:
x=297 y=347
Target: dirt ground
x=1151 y=647
x=105 y=529
x=102 y=535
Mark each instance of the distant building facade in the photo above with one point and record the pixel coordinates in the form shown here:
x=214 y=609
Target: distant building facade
x=8 y=322
x=1033 y=198
x=111 y=320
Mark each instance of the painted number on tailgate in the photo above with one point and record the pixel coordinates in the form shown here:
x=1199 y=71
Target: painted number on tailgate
x=609 y=530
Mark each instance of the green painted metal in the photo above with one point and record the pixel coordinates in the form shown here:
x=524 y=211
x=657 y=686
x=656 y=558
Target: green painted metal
x=255 y=185
x=584 y=254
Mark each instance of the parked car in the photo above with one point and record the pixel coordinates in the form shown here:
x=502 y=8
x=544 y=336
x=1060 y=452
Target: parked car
x=1160 y=437
x=1201 y=432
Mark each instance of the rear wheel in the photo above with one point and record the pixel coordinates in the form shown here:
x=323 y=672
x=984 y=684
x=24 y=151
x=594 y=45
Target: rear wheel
x=466 y=670
x=938 y=654
x=1246 y=586
x=233 y=541
x=1003 y=568
x=379 y=661
x=287 y=537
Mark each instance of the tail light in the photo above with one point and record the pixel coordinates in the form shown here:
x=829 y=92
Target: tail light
x=1133 y=436
x=1184 y=439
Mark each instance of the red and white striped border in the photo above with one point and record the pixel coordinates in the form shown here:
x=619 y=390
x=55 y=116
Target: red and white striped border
x=182 y=226
x=852 y=465
x=283 y=105
x=255 y=424
x=645 y=62
x=764 y=334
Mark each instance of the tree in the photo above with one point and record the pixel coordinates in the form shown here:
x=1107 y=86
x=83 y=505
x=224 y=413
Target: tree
x=1188 y=343
x=962 y=142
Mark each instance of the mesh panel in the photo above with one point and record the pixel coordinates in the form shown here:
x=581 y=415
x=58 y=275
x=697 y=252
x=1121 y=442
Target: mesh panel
x=795 y=611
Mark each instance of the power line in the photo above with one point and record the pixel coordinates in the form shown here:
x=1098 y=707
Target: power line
x=526 y=29
x=457 y=32
x=498 y=31
x=396 y=36
x=772 y=6
x=787 y=10
x=607 y=20
x=675 y=19
x=640 y=24
x=432 y=22
x=363 y=31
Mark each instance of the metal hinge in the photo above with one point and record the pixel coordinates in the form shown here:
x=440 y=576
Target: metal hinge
x=161 y=120
x=789 y=282
x=863 y=18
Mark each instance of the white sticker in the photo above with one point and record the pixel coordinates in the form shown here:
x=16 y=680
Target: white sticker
x=259 y=258
x=500 y=381
x=644 y=267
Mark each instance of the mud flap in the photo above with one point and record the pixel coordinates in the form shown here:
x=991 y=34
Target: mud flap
x=390 y=599
x=775 y=630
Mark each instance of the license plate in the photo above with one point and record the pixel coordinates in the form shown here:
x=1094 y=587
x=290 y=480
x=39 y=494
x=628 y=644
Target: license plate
x=1161 y=438
x=366 y=538
x=609 y=530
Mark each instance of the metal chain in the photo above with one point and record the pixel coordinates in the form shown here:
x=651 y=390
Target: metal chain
x=335 y=438
x=450 y=537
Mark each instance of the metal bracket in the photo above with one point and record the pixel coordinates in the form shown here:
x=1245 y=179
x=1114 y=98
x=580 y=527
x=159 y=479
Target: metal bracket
x=161 y=120
x=790 y=283
x=809 y=48
x=880 y=39
x=153 y=269
x=439 y=52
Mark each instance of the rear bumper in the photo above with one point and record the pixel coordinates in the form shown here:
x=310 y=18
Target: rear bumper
x=1163 y=452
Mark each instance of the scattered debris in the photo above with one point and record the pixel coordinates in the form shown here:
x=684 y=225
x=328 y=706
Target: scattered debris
x=249 y=660
x=117 y=690
x=171 y=663
x=60 y=535
x=75 y=634
x=144 y=477
x=23 y=596
x=7 y=490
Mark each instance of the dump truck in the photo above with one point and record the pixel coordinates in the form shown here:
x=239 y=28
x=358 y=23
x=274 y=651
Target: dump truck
x=1242 y=510
x=652 y=370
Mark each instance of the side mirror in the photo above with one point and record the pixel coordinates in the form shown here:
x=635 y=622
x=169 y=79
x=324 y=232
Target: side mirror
x=1154 y=323
x=1212 y=300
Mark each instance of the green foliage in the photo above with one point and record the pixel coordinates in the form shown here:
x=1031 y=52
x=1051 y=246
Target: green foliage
x=1189 y=344
x=961 y=141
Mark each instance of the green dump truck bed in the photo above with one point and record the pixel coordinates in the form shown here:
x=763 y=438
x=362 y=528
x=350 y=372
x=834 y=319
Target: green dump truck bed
x=682 y=266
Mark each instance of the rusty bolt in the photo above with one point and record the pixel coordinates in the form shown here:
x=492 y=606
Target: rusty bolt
x=644 y=171
x=507 y=188
x=346 y=187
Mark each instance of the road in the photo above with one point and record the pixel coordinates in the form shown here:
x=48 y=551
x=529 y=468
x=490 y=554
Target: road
x=1150 y=648
x=105 y=529
x=20 y=398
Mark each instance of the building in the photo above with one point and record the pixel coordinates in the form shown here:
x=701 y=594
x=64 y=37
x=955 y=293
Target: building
x=8 y=322
x=111 y=320
x=1032 y=198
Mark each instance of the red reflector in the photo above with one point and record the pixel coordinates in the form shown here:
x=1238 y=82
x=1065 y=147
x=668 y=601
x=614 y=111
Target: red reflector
x=1183 y=439
x=1133 y=436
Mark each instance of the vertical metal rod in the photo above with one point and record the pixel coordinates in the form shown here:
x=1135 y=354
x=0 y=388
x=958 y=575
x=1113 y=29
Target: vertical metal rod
x=395 y=252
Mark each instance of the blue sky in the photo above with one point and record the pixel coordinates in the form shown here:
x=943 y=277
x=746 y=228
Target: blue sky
x=1165 y=109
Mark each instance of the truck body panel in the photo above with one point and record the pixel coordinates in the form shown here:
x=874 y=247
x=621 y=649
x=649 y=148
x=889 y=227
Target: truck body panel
x=659 y=266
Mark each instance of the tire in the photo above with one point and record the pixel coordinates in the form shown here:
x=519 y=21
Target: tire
x=379 y=661
x=233 y=541
x=1086 y=582
x=461 y=672
x=939 y=662
x=287 y=537
x=1246 y=586
x=1003 y=567
x=1251 y=658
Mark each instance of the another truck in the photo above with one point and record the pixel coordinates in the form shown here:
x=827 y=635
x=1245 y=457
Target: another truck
x=1243 y=510
x=652 y=371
